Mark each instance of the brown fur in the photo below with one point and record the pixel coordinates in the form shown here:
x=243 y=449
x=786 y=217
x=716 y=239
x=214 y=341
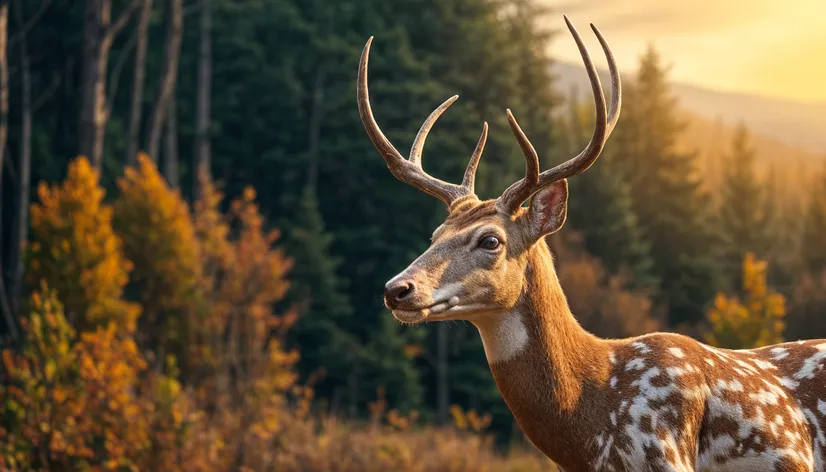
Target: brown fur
x=590 y=403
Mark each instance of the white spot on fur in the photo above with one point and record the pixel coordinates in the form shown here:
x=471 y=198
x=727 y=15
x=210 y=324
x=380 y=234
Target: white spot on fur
x=641 y=346
x=612 y=358
x=637 y=363
x=779 y=353
x=812 y=364
x=789 y=383
x=677 y=352
x=504 y=336
x=763 y=364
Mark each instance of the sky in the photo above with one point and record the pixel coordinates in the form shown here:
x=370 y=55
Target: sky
x=774 y=48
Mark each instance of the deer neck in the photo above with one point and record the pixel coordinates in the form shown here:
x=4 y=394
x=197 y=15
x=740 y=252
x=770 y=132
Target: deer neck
x=547 y=367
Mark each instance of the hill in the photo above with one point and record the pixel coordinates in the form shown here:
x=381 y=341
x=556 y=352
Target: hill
x=795 y=124
x=787 y=136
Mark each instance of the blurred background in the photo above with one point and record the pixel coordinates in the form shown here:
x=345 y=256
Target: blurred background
x=196 y=230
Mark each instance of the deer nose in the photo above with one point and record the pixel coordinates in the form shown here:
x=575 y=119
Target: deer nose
x=396 y=292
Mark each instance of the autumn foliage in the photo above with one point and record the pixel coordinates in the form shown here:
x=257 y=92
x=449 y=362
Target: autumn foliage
x=76 y=251
x=754 y=319
x=76 y=402
x=209 y=384
x=156 y=228
x=151 y=344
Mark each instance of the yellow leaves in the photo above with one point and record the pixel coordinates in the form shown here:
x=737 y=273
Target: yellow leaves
x=753 y=321
x=470 y=420
x=76 y=251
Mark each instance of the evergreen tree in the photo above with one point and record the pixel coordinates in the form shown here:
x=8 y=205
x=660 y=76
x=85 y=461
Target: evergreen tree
x=319 y=294
x=600 y=206
x=666 y=196
x=784 y=216
x=813 y=250
x=742 y=216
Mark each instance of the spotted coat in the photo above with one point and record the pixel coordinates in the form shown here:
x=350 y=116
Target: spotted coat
x=680 y=405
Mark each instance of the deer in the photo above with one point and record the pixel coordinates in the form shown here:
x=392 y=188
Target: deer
x=657 y=402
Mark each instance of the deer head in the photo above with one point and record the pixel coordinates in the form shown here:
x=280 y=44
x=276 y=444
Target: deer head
x=476 y=264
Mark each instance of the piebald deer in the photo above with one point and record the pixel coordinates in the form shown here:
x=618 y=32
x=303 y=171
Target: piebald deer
x=658 y=402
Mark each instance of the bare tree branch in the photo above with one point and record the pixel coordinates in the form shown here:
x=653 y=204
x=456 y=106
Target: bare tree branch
x=168 y=77
x=137 y=82
x=122 y=20
x=24 y=30
x=202 y=151
x=20 y=233
x=47 y=94
x=8 y=315
x=114 y=79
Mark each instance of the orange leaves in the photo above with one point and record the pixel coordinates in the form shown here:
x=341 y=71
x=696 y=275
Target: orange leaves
x=77 y=252
x=82 y=403
x=81 y=395
x=753 y=321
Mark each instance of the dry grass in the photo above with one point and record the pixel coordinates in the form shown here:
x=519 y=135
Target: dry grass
x=334 y=446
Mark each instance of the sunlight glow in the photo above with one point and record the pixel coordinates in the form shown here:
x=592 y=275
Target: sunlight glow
x=765 y=47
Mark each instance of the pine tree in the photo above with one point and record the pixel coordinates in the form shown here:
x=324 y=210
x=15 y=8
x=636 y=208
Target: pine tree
x=813 y=250
x=320 y=296
x=601 y=207
x=666 y=195
x=742 y=213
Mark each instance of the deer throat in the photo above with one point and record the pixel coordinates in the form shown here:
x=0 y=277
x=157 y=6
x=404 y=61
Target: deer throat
x=550 y=371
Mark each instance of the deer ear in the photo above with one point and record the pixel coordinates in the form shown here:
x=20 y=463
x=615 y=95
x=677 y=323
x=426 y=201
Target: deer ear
x=548 y=209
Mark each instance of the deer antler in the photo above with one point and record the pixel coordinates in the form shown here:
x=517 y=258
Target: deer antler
x=533 y=181
x=410 y=170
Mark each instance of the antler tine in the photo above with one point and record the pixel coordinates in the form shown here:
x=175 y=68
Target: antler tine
x=469 y=180
x=616 y=83
x=421 y=136
x=407 y=171
x=520 y=191
x=603 y=124
x=517 y=193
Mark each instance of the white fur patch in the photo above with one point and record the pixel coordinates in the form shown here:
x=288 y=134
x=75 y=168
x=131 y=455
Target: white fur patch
x=779 y=353
x=504 y=336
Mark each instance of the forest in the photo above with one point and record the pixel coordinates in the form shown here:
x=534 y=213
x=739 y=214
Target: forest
x=195 y=230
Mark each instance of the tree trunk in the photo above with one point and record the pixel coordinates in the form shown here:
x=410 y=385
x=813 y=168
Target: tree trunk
x=137 y=83
x=168 y=78
x=171 y=141
x=202 y=114
x=21 y=235
x=442 y=386
x=98 y=34
x=8 y=316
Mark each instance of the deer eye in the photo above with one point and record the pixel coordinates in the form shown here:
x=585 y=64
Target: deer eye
x=489 y=242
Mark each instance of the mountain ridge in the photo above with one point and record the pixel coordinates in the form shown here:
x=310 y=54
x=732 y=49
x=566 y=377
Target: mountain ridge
x=793 y=123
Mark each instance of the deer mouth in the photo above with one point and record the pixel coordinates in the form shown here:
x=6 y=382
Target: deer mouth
x=435 y=312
